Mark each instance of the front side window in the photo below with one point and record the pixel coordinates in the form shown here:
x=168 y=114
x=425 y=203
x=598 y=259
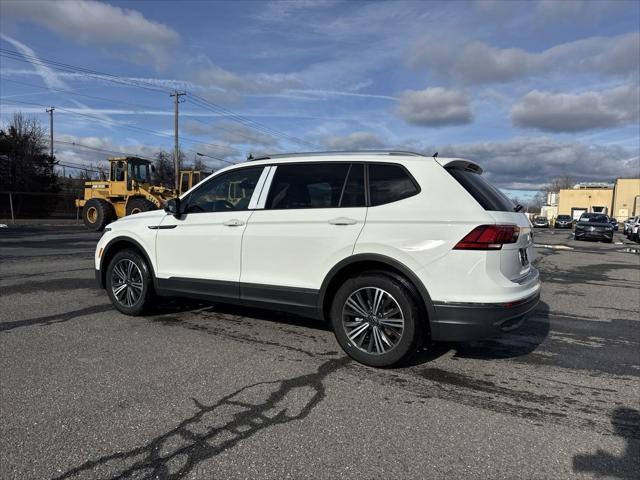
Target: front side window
x=389 y=183
x=327 y=185
x=230 y=191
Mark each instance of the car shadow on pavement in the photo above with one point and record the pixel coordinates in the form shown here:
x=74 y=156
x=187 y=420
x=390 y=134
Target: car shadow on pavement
x=167 y=308
x=626 y=423
x=214 y=429
x=518 y=343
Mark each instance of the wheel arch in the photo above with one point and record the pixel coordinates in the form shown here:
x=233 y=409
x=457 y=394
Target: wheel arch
x=372 y=262
x=114 y=246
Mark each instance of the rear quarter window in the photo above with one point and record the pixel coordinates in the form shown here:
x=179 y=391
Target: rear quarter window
x=488 y=196
x=389 y=183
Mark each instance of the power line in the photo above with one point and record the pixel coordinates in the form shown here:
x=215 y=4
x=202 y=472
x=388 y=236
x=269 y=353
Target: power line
x=150 y=86
x=72 y=92
x=248 y=122
x=31 y=59
x=124 y=125
x=104 y=150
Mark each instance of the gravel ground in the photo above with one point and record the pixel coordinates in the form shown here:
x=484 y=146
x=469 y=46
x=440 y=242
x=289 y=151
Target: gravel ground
x=207 y=391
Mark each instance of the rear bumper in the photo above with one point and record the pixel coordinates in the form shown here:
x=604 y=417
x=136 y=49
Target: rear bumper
x=459 y=322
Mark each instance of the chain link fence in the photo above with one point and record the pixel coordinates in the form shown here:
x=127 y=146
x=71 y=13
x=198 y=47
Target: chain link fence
x=16 y=206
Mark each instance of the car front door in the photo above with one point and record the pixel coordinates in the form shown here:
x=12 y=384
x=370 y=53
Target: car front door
x=312 y=216
x=198 y=252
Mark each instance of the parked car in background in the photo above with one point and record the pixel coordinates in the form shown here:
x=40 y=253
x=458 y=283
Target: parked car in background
x=312 y=231
x=563 y=221
x=627 y=223
x=633 y=230
x=594 y=226
x=614 y=223
x=541 y=222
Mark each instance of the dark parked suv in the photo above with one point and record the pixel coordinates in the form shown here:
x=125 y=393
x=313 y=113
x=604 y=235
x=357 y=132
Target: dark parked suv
x=595 y=226
x=563 y=221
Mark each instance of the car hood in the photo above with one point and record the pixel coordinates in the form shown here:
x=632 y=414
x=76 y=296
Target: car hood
x=154 y=217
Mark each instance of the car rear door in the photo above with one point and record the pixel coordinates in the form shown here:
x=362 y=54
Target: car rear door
x=312 y=216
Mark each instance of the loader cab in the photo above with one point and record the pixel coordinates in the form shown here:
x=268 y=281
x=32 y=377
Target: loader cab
x=126 y=170
x=189 y=178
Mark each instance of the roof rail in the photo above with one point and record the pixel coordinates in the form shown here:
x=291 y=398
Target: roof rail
x=321 y=154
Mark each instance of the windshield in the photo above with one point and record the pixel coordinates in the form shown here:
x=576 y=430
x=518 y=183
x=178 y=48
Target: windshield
x=593 y=218
x=564 y=217
x=139 y=172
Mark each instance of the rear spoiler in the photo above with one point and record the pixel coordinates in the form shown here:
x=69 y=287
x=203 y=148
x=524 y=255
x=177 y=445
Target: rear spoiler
x=460 y=163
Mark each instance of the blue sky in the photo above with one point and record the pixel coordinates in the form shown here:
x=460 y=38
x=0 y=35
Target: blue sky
x=531 y=90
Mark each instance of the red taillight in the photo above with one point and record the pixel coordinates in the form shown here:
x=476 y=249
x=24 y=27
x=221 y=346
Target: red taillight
x=489 y=237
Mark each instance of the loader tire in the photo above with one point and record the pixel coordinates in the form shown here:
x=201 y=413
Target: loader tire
x=137 y=205
x=97 y=213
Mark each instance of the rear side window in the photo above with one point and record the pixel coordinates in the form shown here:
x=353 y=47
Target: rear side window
x=327 y=185
x=389 y=183
x=488 y=196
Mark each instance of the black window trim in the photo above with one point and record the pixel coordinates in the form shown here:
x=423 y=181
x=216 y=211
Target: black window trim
x=340 y=162
x=406 y=171
x=212 y=178
x=367 y=192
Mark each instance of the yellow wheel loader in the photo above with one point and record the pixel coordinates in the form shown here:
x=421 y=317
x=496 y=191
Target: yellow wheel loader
x=128 y=191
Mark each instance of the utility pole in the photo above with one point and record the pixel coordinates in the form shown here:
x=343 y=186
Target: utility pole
x=176 y=147
x=50 y=112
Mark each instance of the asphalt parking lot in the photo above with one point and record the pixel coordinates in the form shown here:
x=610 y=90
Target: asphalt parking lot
x=207 y=391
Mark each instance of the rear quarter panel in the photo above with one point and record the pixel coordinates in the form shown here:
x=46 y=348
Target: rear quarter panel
x=420 y=231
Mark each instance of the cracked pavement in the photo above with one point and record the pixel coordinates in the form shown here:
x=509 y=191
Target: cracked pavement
x=201 y=390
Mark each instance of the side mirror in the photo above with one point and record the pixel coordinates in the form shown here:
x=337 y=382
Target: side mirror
x=173 y=207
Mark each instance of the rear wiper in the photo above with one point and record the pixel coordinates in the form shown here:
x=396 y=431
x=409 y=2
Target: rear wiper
x=518 y=208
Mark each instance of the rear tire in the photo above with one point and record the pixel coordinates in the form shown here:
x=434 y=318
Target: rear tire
x=97 y=214
x=138 y=205
x=380 y=336
x=129 y=283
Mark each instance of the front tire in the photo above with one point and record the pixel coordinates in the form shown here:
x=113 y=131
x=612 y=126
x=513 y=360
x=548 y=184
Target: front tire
x=97 y=214
x=129 y=283
x=375 y=320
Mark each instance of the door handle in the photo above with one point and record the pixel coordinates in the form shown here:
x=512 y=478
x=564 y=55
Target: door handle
x=234 y=222
x=343 y=221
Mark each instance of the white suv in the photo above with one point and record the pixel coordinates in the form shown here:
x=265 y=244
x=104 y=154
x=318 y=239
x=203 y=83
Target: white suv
x=390 y=247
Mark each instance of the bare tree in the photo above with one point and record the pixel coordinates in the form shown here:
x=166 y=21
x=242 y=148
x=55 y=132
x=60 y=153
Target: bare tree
x=30 y=168
x=558 y=183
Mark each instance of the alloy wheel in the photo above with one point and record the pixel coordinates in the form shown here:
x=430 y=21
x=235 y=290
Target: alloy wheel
x=372 y=320
x=126 y=282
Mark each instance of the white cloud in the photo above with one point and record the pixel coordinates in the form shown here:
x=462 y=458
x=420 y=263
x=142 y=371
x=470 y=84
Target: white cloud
x=98 y=23
x=49 y=77
x=529 y=163
x=354 y=141
x=249 y=84
x=233 y=133
x=477 y=63
x=570 y=112
x=434 y=107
